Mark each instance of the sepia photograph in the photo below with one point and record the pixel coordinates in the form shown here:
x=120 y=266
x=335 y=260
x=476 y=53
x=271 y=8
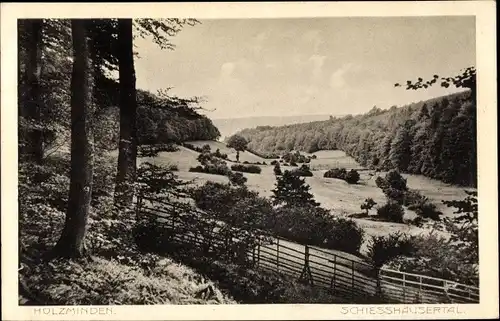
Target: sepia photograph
x=248 y=160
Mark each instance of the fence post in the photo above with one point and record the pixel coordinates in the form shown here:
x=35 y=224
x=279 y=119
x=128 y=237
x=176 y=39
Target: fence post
x=420 y=289
x=379 y=283
x=278 y=254
x=258 y=252
x=404 y=288
x=332 y=285
x=306 y=271
x=352 y=278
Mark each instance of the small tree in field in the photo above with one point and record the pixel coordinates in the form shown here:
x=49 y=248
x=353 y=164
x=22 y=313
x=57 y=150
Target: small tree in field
x=368 y=205
x=239 y=143
x=292 y=190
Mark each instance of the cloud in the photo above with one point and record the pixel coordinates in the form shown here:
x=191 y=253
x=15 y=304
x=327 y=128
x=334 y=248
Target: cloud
x=337 y=79
x=313 y=37
x=317 y=62
x=227 y=69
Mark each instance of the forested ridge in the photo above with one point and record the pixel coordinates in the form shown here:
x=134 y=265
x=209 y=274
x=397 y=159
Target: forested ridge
x=435 y=138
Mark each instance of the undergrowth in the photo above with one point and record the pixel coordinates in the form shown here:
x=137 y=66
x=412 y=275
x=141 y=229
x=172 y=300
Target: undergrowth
x=115 y=272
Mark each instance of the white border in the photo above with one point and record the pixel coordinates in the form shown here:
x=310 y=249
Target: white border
x=487 y=155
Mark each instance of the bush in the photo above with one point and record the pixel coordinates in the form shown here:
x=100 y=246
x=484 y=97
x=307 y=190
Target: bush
x=424 y=210
x=391 y=211
x=339 y=173
x=237 y=179
x=368 y=205
x=436 y=256
x=219 y=154
x=277 y=169
x=246 y=169
x=352 y=177
x=345 y=235
x=314 y=225
x=382 y=249
x=302 y=171
x=396 y=180
x=274 y=162
x=216 y=169
x=292 y=163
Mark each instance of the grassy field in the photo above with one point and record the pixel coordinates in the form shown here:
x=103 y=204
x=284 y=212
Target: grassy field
x=334 y=194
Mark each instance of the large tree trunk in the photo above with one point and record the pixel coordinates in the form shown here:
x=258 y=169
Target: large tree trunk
x=71 y=243
x=30 y=89
x=126 y=173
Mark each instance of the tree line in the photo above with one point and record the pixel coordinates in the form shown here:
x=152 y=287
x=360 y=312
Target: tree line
x=66 y=97
x=435 y=138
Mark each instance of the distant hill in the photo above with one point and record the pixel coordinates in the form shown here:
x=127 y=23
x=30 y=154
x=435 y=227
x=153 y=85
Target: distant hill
x=230 y=126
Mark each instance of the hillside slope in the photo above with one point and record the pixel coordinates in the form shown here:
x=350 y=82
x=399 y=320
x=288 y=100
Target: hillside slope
x=435 y=138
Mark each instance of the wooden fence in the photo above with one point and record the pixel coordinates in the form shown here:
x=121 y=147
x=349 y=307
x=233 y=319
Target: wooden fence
x=342 y=274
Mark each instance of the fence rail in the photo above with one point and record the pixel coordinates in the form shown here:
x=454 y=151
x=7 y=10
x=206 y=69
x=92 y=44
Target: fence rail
x=341 y=274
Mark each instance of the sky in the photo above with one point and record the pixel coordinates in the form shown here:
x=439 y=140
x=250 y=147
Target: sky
x=333 y=66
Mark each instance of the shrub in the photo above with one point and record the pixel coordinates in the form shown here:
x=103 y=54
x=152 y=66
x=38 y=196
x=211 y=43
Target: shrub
x=302 y=171
x=246 y=162
x=237 y=179
x=382 y=249
x=316 y=226
x=274 y=162
x=277 y=169
x=219 y=154
x=412 y=197
x=197 y=169
x=391 y=211
x=368 y=205
x=216 y=169
x=424 y=210
x=439 y=257
x=339 y=173
x=395 y=180
x=345 y=235
x=246 y=169
x=352 y=177
x=292 y=163
x=219 y=197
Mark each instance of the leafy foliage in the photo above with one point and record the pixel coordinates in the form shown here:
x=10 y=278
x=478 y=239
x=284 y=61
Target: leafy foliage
x=368 y=205
x=383 y=249
x=246 y=168
x=237 y=179
x=239 y=143
x=351 y=177
x=277 y=169
x=391 y=211
x=303 y=170
x=292 y=190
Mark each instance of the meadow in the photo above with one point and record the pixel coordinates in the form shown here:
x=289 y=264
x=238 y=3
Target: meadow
x=333 y=194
